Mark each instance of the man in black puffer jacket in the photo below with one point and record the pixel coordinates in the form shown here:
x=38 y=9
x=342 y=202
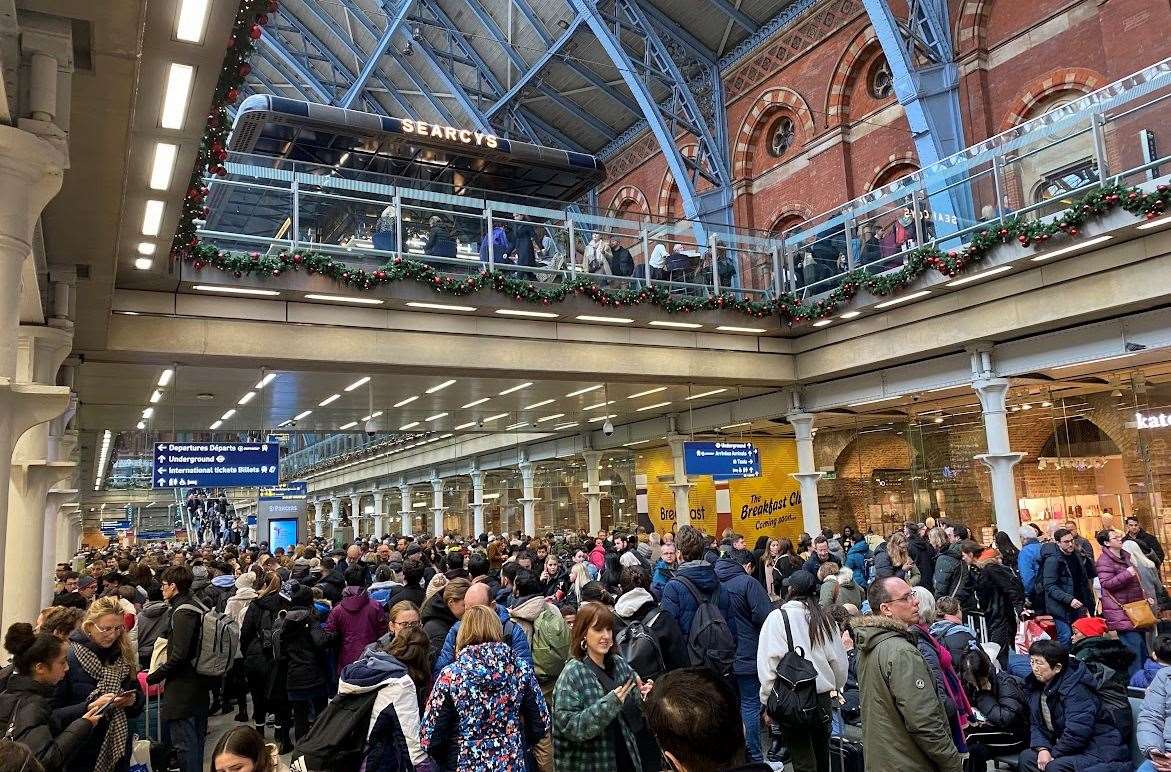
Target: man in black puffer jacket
x=300 y=649
x=954 y=574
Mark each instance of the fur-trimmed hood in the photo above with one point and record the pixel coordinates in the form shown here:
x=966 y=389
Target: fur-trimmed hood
x=869 y=631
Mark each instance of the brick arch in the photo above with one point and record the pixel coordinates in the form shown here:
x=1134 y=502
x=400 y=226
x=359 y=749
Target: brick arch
x=861 y=48
x=768 y=104
x=1080 y=79
x=896 y=160
x=788 y=211
x=667 y=186
x=971 y=30
x=630 y=194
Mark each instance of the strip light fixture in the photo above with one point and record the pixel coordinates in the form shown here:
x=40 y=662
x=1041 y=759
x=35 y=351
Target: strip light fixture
x=440 y=387
x=152 y=217
x=358 y=383
x=329 y=400
x=542 y=403
x=647 y=393
x=175 y=96
x=473 y=403
x=192 y=21
x=586 y=390
x=163 y=166
x=651 y=407
x=518 y=387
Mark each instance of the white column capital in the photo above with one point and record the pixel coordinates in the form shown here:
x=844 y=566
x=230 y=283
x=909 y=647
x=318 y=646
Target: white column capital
x=992 y=393
x=802 y=424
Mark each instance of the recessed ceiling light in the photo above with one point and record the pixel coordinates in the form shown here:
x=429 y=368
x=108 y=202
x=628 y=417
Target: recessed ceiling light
x=597 y=418
x=148 y=413
x=439 y=306
x=647 y=392
x=303 y=414
x=216 y=425
x=707 y=393
x=542 y=403
x=143 y=263
x=435 y=417
x=163 y=166
x=473 y=403
x=329 y=400
x=636 y=442
x=165 y=376
x=532 y=314
x=440 y=387
x=468 y=425
x=346 y=299
x=235 y=290
x=146 y=248
x=496 y=417
x=823 y=322
x=550 y=418
x=850 y=314
x=1072 y=248
x=600 y=404
x=1155 y=224
x=874 y=401
x=192 y=18
x=178 y=90
x=938 y=419
x=904 y=299
x=406 y=401
x=727 y=328
x=358 y=383
x=350 y=425
x=677 y=325
x=979 y=276
x=605 y=319
x=267 y=379
x=516 y=426
x=518 y=387
x=586 y=390
x=155 y=396
x=152 y=217
x=411 y=425
x=570 y=425
x=228 y=415
x=246 y=398
x=142 y=424
x=652 y=407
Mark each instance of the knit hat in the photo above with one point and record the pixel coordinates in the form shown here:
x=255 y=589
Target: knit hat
x=989 y=554
x=1091 y=627
x=801 y=582
x=246 y=581
x=85 y=581
x=644 y=549
x=315 y=566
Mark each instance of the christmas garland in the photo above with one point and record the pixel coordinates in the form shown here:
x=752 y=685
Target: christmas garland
x=253 y=14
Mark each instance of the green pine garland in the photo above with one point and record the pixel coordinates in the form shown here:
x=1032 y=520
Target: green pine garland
x=253 y=14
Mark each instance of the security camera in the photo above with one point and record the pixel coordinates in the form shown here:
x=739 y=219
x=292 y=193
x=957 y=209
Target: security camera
x=372 y=427
x=292 y=424
x=607 y=428
x=480 y=423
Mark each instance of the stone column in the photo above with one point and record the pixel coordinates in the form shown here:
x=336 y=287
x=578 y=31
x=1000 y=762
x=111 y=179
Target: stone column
x=377 y=523
x=356 y=513
x=405 y=513
x=477 y=476
x=318 y=520
x=593 y=489
x=528 y=498
x=335 y=514
x=437 y=505
x=52 y=554
x=806 y=474
x=680 y=487
x=999 y=459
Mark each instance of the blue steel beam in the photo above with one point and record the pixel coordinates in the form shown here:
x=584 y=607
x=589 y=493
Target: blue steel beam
x=738 y=17
x=538 y=64
x=689 y=41
x=372 y=63
x=272 y=87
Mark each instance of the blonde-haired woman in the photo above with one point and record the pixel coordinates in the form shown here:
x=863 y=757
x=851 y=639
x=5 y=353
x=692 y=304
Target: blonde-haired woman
x=481 y=699
x=895 y=560
x=101 y=661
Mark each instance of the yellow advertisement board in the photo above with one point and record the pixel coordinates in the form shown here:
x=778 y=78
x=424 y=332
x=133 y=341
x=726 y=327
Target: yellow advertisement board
x=769 y=505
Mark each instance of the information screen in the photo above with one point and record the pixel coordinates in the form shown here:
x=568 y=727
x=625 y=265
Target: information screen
x=282 y=533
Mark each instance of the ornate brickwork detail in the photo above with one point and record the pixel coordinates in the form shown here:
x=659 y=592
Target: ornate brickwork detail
x=1080 y=79
x=768 y=105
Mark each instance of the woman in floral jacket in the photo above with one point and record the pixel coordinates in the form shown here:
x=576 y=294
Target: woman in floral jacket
x=596 y=699
x=486 y=711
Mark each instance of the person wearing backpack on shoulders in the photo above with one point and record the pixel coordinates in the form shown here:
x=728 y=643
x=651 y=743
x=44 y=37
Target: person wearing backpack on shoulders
x=185 y=699
x=678 y=599
x=803 y=628
x=358 y=620
x=514 y=636
x=745 y=606
x=664 y=648
x=300 y=647
x=951 y=632
x=256 y=643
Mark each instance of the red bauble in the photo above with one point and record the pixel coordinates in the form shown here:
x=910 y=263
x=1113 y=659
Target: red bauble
x=277 y=272
x=221 y=171
x=255 y=32
x=1023 y=239
x=262 y=19
x=298 y=259
x=1073 y=231
x=232 y=95
x=244 y=69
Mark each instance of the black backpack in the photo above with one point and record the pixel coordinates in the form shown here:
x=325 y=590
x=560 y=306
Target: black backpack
x=640 y=648
x=709 y=643
x=792 y=703
x=1115 y=700
x=337 y=739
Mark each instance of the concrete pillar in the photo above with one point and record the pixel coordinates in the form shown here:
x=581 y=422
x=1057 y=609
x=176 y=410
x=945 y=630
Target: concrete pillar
x=528 y=498
x=356 y=513
x=477 y=502
x=807 y=474
x=377 y=521
x=318 y=519
x=999 y=459
x=593 y=489
x=437 y=505
x=680 y=486
x=405 y=512
x=51 y=552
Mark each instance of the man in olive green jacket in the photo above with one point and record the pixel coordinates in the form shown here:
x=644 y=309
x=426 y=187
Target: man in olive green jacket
x=904 y=726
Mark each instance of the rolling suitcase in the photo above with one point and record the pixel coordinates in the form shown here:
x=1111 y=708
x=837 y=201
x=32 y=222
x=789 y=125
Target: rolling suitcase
x=845 y=755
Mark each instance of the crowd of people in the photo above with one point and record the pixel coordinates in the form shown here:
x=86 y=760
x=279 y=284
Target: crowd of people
x=924 y=650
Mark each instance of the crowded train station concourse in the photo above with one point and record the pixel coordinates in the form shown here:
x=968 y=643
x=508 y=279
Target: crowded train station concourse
x=585 y=385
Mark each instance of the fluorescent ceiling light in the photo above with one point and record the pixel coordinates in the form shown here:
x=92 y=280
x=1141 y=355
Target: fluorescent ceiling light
x=228 y=415
x=178 y=90
x=146 y=248
x=600 y=404
x=532 y=314
x=411 y=425
x=435 y=417
x=524 y=385
x=473 y=403
x=605 y=319
x=342 y=161
x=346 y=299
x=652 y=407
x=542 y=403
x=216 y=425
x=439 y=306
x=302 y=414
x=375 y=414
x=570 y=425
x=143 y=263
x=142 y=424
x=192 y=18
x=148 y=413
x=597 y=418
x=329 y=400
x=358 y=383
x=406 y=401
x=647 y=392
x=235 y=290
x=1072 y=248
x=728 y=328
x=1094 y=361
x=267 y=379
x=636 y=442
x=823 y=322
x=679 y=325
x=246 y=398
x=350 y=425
x=468 y=425
x=707 y=394
x=516 y=426
x=850 y=314
x=152 y=217
x=495 y=417
x=874 y=401
x=163 y=166
x=586 y=390
x=1155 y=224
x=550 y=418
x=445 y=436
x=979 y=276
x=440 y=387
x=155 y=396
x=904 y=299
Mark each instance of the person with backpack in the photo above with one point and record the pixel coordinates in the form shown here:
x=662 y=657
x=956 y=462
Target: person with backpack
x=152 y=621
x=256 y=643
x=745 y=606
x=951 y=632
x=543 y=626
x=299 y=653
x=800 y=662
x=857 y=560
x=1071 y=728
x=185 y=700
x=1064 y=588
x=695 y=589
x=648 y=638
x=358 y=620
x=1000 y=594
x=514 y=636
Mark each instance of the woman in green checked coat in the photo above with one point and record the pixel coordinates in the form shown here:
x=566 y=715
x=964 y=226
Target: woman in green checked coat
x=596 y=700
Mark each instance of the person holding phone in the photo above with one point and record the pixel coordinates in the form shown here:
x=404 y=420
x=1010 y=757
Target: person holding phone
x=597 y=702
x=26 y=712
x=1152 y=731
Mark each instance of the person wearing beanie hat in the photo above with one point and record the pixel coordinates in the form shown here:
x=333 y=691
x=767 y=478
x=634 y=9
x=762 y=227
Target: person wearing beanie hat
x=301 y=664
x=1094 y=642
x=1002 y=597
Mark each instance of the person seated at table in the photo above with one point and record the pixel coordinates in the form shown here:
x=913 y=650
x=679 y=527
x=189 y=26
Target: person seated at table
x=621 y=261
x=658 y=261
x=440 y=240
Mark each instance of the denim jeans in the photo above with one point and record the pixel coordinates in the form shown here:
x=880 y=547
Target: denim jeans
x=1146 y=766
x=1136 y=641
x=750 y=713
x=187 y=736
x=1064 y=632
